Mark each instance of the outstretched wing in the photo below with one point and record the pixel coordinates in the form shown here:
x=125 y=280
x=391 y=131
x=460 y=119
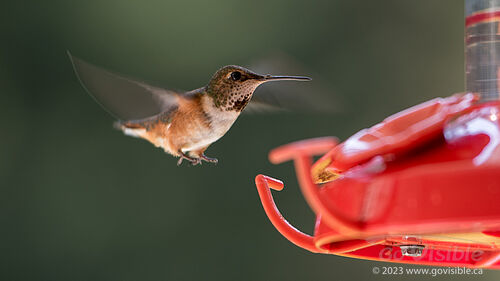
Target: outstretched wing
x=295 y=97
x=288 y=96
x=124 y=98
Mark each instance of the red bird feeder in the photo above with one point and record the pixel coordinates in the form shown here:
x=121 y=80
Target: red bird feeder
x=421 y=187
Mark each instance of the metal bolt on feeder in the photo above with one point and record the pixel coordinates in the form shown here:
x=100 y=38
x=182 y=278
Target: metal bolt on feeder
x=422 y=186
x=412 y=250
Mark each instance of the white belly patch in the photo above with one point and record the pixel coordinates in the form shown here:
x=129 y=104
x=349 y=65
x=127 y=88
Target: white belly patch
x=220 y=123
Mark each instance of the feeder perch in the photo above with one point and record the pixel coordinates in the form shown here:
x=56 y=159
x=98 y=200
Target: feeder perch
x=422 y=186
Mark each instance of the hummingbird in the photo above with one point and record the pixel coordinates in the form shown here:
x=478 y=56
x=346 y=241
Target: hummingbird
x=183 y=124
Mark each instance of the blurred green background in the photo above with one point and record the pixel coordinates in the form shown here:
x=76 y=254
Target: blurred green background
x=82 y=202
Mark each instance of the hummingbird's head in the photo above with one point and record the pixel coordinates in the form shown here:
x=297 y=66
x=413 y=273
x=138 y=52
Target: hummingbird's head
x=232 y=86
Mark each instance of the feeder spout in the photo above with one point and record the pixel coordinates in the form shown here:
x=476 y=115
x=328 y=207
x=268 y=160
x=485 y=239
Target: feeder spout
x=264 y=184
x=482 y=48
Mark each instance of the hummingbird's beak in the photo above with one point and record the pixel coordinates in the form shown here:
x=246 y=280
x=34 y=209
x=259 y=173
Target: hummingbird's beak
x=267 y=78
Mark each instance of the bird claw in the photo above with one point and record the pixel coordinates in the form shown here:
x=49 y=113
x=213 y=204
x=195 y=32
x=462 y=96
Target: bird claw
x=194 y=161
x=209 y=159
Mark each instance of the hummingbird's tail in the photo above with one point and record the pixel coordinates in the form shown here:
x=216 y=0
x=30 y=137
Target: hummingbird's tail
x=130 y=129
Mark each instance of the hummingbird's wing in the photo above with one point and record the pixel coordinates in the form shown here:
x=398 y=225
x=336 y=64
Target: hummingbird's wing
x=258 y=105
x=124 y=98
x=289 y=96
x=296 y=97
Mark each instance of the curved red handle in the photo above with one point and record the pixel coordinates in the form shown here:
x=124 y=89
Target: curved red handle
x=310 y=147
x=264 y=183
x=301 y=152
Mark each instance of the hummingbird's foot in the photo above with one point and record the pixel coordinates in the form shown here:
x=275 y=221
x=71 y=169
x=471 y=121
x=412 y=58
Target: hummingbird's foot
x=194 y=161
x=208 y=159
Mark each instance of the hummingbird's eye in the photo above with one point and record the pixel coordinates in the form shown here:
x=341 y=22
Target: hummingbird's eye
x=235 y=76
